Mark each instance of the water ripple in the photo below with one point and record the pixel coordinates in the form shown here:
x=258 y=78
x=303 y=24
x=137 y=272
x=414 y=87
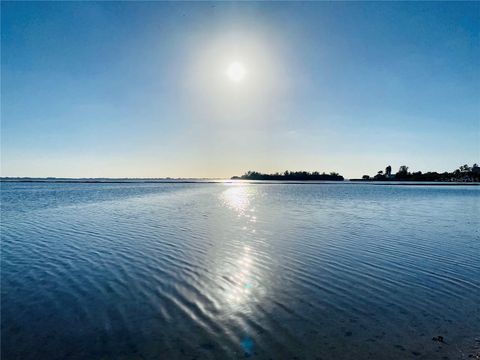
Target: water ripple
x=217 y=271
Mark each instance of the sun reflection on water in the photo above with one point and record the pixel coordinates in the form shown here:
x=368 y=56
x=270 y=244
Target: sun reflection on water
x=238 y=198
x=243 y=276
x=241 y=280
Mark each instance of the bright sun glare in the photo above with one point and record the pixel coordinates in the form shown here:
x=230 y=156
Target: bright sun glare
x=236 y=71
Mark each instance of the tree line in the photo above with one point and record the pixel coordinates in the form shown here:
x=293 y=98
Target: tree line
x=464 y=173
x=290 y=176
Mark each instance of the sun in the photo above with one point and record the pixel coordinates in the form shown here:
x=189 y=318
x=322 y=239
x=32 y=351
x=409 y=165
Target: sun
x=236 y=71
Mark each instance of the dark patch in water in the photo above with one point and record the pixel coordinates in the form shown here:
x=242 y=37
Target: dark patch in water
x=207 y=346
x=247 y=345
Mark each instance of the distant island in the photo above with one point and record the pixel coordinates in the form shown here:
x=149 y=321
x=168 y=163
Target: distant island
x=464 y=173
x=290 y=176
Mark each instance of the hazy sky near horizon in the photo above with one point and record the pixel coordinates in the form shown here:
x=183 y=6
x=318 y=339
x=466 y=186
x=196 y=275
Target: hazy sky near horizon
x=141 y=89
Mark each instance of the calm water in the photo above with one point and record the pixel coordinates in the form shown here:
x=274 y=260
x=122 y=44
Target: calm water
x=222 y=271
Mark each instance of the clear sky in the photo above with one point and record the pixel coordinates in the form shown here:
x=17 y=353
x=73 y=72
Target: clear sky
x=129 y=89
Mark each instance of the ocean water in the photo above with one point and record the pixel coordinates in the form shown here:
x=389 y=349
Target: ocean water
x=234 y=271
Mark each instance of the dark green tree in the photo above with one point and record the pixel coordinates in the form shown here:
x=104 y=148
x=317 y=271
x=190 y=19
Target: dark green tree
x=388 y=170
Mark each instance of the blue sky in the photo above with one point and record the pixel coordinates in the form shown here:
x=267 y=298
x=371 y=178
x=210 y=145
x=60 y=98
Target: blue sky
x=129 y=89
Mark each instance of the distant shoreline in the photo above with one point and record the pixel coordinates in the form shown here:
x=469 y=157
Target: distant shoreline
x=463 y=174
x=232 y=181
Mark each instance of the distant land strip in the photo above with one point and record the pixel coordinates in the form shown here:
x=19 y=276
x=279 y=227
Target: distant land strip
x=234 y=181
x=464 y=174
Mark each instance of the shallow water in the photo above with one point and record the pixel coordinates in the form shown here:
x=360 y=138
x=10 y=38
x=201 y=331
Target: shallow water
x=220 y=271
